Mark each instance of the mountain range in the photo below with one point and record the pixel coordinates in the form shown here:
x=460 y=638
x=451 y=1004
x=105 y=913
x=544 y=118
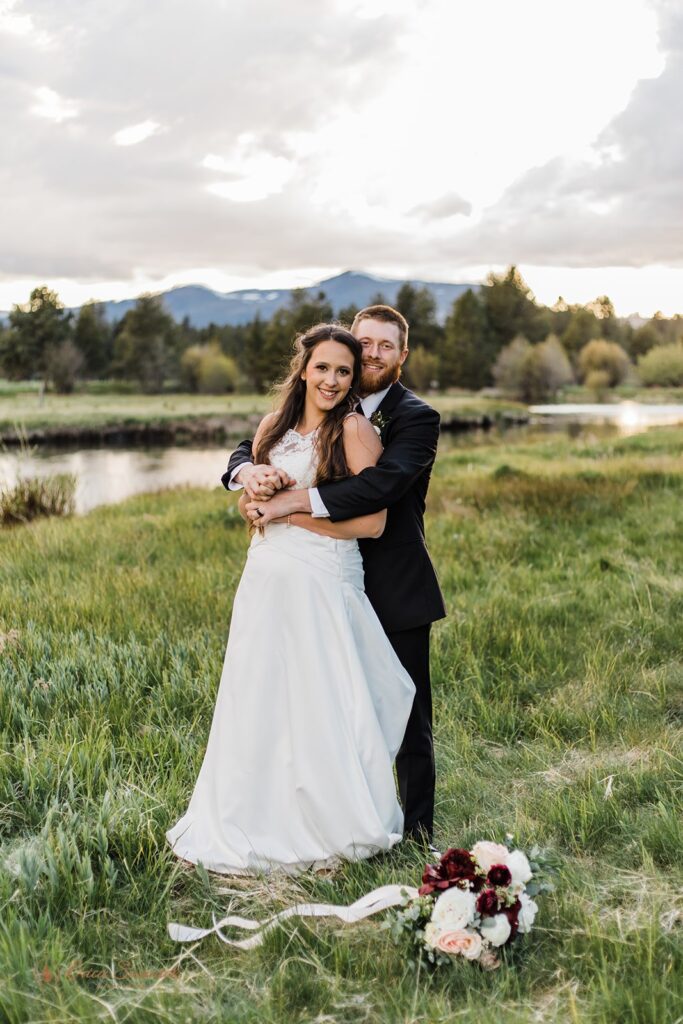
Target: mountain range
x=203 y=306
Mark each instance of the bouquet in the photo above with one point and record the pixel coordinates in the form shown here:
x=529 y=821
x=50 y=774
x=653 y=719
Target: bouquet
x=472 y=903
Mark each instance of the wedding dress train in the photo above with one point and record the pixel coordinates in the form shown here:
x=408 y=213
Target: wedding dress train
x=311 y=710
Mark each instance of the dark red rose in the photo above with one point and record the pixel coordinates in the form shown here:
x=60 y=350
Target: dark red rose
x=499 y=874
x=459 y=864
x=487 y=903
x=512 y=914
x=456 y=867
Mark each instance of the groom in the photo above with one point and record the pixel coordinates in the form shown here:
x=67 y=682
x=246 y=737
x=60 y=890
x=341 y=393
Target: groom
x=400 y=581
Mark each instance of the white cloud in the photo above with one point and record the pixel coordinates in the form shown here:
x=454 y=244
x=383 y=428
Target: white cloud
x=52 y=106
x=618 y=204
x=450 y=205
x=136 y=133
x=252 y=173
x=14 y=24
x=20 y=25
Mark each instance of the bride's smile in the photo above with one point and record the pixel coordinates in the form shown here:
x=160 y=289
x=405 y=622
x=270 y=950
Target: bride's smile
x=328 y=379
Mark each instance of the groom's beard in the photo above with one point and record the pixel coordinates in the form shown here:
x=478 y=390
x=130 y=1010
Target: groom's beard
x=371 y=383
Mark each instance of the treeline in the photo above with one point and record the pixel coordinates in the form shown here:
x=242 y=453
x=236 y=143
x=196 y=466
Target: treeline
x=495 y=336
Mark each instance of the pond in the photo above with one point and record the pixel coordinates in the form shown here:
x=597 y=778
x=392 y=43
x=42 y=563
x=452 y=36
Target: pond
x=107 y=475
x=627 y=417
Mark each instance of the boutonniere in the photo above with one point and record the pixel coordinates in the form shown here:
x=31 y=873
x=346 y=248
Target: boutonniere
x=379 y=422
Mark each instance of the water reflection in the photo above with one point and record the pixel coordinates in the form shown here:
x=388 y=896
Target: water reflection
x=106 y=476
x=628 y=417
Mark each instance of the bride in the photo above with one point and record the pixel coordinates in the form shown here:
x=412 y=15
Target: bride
x=313 y=702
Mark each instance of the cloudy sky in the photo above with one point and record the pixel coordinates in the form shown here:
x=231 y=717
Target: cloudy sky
x=263 y=143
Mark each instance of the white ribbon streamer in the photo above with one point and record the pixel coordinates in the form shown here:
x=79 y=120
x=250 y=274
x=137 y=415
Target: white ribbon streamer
x=379 y=899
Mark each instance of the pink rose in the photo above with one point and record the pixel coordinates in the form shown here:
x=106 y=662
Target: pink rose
x=460 y=942
x=487 y=854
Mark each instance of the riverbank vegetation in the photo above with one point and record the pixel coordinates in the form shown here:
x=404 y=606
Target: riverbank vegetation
x=558 y=684
x=93 y=414
x=494 y=334
x=34 y=497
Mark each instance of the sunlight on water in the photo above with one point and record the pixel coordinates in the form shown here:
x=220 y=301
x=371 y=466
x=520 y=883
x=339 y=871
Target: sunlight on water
x=628 y=417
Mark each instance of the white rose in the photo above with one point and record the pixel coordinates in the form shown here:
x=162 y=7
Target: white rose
x=527 y=913
x=378 y=429
x=495 y=930
x=454 y=909
x=487 y=854
x=432 y=934
x=519 y=867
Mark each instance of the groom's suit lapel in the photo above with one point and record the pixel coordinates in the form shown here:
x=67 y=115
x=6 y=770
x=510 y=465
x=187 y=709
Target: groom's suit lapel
x=385 y=409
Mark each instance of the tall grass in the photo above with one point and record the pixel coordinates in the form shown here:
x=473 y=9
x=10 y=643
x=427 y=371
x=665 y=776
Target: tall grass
x=558 y=683
x=32 y=497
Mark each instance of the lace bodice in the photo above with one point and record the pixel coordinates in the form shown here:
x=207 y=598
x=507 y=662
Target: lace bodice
x=297 y=455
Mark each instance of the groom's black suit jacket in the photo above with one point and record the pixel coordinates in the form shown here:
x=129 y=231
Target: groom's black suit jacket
x=399 y=576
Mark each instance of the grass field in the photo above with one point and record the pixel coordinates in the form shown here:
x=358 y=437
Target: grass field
x=558 y=681
x=76 y=410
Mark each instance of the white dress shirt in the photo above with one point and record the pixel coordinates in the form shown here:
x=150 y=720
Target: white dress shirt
x=368 y=405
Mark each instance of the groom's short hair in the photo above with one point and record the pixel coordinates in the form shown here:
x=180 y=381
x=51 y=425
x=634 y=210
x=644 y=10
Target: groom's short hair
x=389 y=315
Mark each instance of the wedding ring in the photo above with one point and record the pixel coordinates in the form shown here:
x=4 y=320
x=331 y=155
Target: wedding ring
x=259 y=512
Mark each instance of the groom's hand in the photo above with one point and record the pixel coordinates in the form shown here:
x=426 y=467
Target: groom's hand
x=261 y=482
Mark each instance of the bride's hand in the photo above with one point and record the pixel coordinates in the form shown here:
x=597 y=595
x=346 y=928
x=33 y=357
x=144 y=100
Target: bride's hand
x=278 y=507
x=259 y=513
x=262 y=482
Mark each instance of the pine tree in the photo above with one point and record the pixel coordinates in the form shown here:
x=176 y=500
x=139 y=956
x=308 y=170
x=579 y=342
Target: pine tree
x=93 y=338
x=35 y=330
x=145 y=348
x=466 y=354
x=418 y=306
x=510 y=310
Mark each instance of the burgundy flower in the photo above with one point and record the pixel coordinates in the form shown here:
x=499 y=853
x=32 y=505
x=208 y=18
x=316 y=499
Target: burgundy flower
x=433 y=880
x=487 y=903
x=499 y=874
x=512 y=914
x=455 y=867
x=459 y=864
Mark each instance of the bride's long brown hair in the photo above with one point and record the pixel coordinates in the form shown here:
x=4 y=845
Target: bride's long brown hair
x=292 y=391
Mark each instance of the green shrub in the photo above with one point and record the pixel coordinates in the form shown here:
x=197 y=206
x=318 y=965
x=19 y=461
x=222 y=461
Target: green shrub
x=598 y=381
x=605 y=356
x=190 y=362
x=217 y=374
x=533 y=373
x=63 y=366
x=37 y=496
x=207 y=369
x=423 y=369
x=662 y=365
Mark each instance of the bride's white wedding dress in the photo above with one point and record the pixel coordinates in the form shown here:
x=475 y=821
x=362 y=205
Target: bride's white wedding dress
x=311 y=710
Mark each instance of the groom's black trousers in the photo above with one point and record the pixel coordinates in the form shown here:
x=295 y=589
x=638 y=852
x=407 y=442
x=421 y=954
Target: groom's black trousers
x=415 y=759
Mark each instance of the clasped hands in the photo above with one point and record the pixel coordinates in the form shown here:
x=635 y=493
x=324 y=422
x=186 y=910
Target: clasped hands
x=261 y=484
